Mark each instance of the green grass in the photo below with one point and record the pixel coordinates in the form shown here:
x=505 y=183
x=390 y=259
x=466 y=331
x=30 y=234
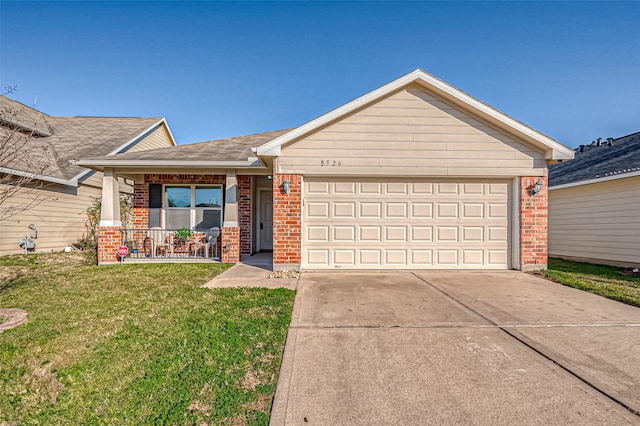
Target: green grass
x=603 y=280
x=136 y=344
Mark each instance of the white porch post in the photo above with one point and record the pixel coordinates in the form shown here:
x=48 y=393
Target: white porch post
x=110 y=210
x=231 y=201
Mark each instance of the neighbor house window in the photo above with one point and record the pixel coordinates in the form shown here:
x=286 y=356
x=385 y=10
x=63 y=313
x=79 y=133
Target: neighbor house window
x=193 y=206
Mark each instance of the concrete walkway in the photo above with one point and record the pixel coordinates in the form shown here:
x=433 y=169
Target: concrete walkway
x=252 y=271
x=456 y=348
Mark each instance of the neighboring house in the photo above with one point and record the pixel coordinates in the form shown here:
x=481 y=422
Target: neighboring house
x=40 y=147
x=413 y=175
x=594 y=203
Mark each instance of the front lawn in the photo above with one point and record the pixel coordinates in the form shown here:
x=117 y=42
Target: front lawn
x=136 y=344
x=604 y=280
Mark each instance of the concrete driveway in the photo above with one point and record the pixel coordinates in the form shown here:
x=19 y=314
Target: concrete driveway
x=456 y=348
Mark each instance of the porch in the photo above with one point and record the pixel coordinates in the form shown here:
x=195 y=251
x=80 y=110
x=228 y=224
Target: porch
x=187 y=218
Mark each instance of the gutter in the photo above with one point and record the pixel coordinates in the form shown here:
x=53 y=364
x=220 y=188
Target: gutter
x=69 y=182
x=597 y=180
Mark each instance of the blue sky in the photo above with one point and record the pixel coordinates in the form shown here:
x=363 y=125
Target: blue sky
x=218 y=69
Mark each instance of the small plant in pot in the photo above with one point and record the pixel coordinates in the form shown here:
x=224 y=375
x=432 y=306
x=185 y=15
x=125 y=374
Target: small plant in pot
x=183 y=233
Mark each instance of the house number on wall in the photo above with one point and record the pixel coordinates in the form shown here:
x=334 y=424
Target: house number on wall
x=330 y=163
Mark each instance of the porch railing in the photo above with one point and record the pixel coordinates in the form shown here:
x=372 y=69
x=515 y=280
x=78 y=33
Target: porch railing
x=160 y=243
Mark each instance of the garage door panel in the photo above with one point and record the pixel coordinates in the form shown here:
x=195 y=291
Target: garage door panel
x=396 y=233
x=370 y=257
x=396 y=257
x=420 y=210
x=317 y=257
x=422 y=257
x=317 y=188
x=369 y=224
x=473 y=188
x=447 y=210
x=344 y=210
x=448 y=188
x=421 y=188
x=318 y=233
x=344 y=188
x=370 y=188
x=344 y=257
x=473 y=258
x=394 y=188
x=370 y=233
x=497 y=211
x=344 y=233
x=447 y=257
x=317 y=209
x=473 y=210
x=370 y=210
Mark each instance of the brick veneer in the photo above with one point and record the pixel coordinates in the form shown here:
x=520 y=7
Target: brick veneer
x=141 y=205
x=109 y=238
x=230 y=235
x=533 y=224
x=244 y=213
x=287 y=223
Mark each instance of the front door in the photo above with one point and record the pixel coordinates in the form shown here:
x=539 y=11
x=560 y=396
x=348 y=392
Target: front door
x=266 y=220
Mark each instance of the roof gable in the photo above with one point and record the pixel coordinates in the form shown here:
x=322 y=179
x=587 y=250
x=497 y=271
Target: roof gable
x=48 y=154
x=598 y=161
x=411 y=133
x=439 y=89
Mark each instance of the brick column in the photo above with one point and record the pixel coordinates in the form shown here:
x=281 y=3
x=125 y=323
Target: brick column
x=244 y=213
x=231 y=236
x=533 y=224
x=109 y=238
x=287 y=223
x=141 y=205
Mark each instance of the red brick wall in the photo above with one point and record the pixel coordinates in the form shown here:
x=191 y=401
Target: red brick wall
x=533 y=224
x=109 y=238
x=230 y=235
x=244 y=213
x=287 y=223
x=141 y=205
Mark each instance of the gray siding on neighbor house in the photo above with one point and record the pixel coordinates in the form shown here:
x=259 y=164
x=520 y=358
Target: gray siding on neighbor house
x=596 y=221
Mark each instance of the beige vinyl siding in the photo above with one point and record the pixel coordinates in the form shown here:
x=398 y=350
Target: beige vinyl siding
x=159 y=138
x=596 y=221
x=410 y=133
x=60 y=216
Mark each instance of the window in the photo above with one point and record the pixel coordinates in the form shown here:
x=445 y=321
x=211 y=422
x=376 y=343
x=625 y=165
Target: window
x=193 y=206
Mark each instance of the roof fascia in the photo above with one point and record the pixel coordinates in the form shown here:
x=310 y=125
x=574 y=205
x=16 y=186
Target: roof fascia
x=133 y=142
x=71 y=182
x=596 y=180
x=250 y=163
x=552 y=149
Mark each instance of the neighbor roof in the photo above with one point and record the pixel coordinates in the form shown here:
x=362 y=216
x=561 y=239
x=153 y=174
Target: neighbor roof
x=552 y=148
x=60 y=140
x=596 y=161
x=236 y=152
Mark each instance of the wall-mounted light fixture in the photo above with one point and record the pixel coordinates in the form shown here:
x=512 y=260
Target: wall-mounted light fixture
x=535 y=188
x=286 y=186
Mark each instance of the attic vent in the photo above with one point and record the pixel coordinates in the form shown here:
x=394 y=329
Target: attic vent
x=609 y=141
x=599 y=142
x=581 y=148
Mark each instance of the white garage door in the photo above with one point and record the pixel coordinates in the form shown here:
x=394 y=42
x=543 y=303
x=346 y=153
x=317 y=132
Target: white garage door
x=417 y=224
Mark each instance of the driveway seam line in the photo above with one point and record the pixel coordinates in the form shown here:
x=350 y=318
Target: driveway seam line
x=530 y=346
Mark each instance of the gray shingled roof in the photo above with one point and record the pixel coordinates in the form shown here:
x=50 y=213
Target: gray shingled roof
x=64 y=139
x=230 y=149
x=610 y=158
